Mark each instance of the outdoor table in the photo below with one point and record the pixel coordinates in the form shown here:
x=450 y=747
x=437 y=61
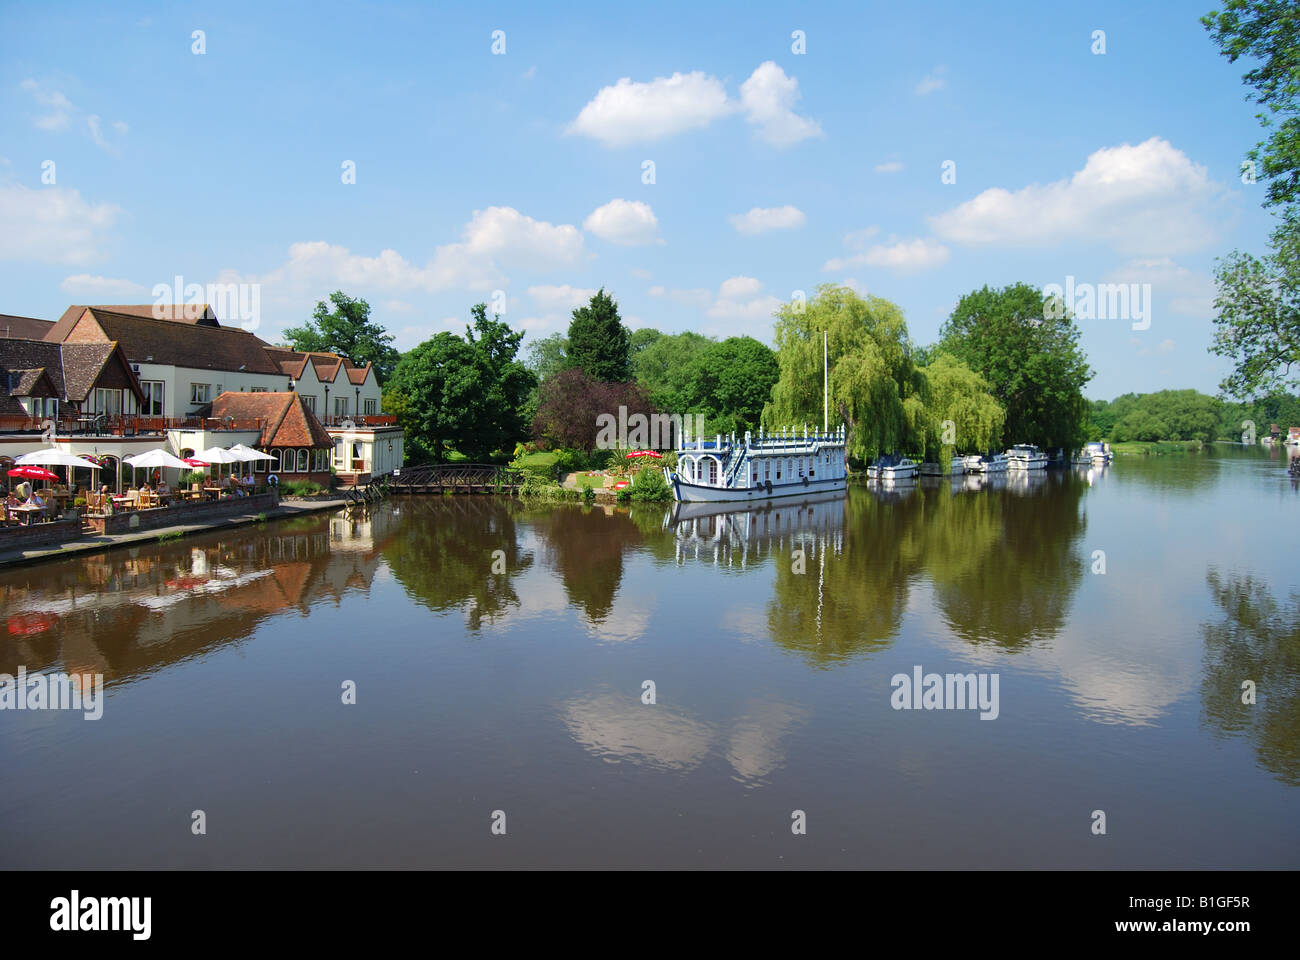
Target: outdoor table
x=124 y=501
x=30 y=509
x=214 y=491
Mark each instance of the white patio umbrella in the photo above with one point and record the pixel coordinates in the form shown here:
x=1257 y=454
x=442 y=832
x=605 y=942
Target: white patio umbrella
x=157 y=458
x=218 y=455
x=248 y=454
x=54 y=457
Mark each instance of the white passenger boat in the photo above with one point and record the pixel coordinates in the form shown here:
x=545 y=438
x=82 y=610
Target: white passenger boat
x=1026 y=456
x=730 y=468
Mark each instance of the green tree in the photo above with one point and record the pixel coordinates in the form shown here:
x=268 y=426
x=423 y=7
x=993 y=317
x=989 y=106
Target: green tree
x=960 y=396
x=508 y=386
x=548 y=355
x=1257 y=321
x=346 y=330
x=875 y=387
x=730 y=383
x=436 y=392
x=1030 y=358
x=664 y=366
x=598 y=341
x=1267 y=33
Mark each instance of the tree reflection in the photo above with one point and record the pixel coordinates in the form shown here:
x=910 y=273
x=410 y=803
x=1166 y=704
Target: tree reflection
x=585 y=546
x=1258 y=640
x=443 y=553
x=1005 y=566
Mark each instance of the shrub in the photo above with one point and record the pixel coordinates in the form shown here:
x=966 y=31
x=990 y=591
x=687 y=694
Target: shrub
x=650 y=485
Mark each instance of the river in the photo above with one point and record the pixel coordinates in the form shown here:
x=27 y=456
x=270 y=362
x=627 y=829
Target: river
x=501 y=655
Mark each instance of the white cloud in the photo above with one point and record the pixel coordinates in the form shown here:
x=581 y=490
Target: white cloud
x=857 y=239
x=768 y=98
x=1148 y=199
x=52 y=225
x=762 y=219
x=107 y=288
x=565 y=297
x=629 y=223
x=741 y=298
x=889 y=166
x=62 y=111
x=634 y=112
x=934 y=80
x=1187 y=293
x=901 y=256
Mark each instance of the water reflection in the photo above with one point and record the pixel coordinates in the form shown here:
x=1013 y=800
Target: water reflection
x=444 y=552
x=127 y=613
x=1258 y=639
x=586 y=546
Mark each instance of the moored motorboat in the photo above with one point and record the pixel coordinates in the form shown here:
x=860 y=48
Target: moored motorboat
x=1026 y=456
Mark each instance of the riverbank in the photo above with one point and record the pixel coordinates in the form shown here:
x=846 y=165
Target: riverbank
x=113 y=541
x=1156 y=448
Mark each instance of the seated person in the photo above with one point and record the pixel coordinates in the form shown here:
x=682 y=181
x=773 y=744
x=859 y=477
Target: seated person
x=163 y=489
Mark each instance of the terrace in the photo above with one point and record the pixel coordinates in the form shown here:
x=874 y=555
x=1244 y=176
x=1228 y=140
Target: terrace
x=122 y=425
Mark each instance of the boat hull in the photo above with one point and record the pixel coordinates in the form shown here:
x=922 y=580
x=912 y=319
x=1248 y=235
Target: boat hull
x=684 y=491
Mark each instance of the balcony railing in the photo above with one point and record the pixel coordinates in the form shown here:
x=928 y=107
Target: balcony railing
x=365 y=420
x=124 y=425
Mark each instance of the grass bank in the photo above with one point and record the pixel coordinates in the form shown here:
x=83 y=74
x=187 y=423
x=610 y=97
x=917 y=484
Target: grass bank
x=1157 y=448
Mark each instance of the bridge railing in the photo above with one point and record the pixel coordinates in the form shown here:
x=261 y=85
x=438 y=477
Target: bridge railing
x=457 y=475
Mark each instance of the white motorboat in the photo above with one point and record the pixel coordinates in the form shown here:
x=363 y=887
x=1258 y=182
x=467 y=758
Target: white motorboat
x=958 y=466
x=904 y=469
x=1026 y=456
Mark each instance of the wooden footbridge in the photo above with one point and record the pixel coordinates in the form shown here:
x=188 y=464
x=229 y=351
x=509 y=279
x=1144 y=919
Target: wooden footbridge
x=456 y=478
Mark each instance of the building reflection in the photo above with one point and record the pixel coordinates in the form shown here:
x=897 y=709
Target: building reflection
x=129 y=612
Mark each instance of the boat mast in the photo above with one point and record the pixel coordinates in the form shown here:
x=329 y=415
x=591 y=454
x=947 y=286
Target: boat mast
x=826 y=426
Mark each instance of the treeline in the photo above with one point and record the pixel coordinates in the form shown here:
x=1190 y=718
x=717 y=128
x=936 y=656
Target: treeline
x=1187 y=415
x=1004 y=371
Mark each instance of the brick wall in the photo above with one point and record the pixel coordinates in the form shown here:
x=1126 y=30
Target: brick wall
x=38 y=535
x=181 y=514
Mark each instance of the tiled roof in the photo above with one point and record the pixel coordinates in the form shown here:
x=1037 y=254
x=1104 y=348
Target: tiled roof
x=32 y=383
x=23 y=328
x=327 y=365
x=71 y=369
x=201 y=347
x=287 y=421
x=187 y=313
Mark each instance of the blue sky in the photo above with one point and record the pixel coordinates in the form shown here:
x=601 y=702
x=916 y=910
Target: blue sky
x=522 y=172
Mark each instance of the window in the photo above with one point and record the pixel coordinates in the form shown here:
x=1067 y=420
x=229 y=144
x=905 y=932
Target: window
x=778 y=469
x=338 y=452
x=287 y=460
x=200 y=392
x=767 y=469
x=713 y=472
x=340 y=406
x=107 y=401
x=370 y=408
x=152 y=405
x=259 y=466
x=309 y=401
x=302 y=461
x=255 y=389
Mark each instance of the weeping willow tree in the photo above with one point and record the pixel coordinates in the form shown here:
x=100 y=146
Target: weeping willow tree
x=876 y=389
x=964 y=416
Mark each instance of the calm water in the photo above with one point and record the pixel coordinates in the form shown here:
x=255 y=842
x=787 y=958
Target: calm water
x=520 y=691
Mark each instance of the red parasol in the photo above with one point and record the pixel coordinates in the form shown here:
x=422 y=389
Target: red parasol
x=196 y=462
x=33 y=473
x=647 y=453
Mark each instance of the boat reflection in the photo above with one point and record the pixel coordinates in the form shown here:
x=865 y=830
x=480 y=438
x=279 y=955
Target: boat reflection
x=740 y=536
